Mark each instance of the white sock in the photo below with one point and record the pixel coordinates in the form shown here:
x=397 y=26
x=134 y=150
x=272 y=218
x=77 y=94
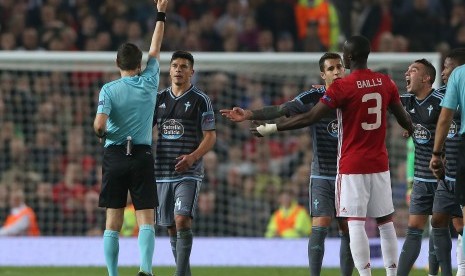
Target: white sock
x=359 y=246
x=460 y=259
x=389 y=248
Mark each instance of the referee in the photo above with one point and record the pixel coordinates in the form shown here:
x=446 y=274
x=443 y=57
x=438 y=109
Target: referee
x=454 y=101
x=124 y=124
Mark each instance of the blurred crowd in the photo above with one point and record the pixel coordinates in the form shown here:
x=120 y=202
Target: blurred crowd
x=50 y=159
x=233 y=25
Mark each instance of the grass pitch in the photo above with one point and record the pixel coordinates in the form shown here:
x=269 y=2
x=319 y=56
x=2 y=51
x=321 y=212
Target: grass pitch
x=169 y=271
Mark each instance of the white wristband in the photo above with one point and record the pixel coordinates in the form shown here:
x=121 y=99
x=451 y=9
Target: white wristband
x=267 y=129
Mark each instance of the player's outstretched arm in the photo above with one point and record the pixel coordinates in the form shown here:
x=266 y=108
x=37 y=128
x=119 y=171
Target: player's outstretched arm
x=238 y=114
x=402 y=117
x=312 y=116
x=157 y=36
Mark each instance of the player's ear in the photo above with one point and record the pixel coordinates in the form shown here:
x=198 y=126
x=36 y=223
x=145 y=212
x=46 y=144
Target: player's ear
x=192 y=72
x=322 y=75
x=426 y=78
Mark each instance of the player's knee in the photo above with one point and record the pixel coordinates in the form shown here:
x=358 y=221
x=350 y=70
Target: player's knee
x=321 y=221
x=183 y=222
x=439 y=221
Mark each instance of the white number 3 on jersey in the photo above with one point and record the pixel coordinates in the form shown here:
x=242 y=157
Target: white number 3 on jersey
x=373 y=110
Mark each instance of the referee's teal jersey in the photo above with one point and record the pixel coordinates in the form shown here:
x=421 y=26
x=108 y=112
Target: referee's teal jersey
x=455 y=94
x=129 y=103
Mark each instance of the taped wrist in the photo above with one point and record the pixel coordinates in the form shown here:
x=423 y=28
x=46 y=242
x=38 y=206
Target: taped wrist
x=267 y=129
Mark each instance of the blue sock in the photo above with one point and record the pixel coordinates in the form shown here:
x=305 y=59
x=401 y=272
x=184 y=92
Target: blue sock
x=146 y=241
x=111 y=251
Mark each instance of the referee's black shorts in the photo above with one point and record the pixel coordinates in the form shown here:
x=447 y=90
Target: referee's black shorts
x=460 y=176
x=123 y=172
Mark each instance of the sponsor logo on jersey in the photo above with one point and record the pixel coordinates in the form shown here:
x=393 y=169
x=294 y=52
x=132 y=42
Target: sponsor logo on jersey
x=172 y=129
x=453 y=130
x=421 y=134
x=332 y=128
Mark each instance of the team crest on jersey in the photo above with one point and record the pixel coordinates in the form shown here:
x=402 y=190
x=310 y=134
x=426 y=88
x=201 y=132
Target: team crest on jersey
x=452 y=130
x=187 y=105
x=172 y=129
x=332 y=128
x=430 y=108
x=421 y=134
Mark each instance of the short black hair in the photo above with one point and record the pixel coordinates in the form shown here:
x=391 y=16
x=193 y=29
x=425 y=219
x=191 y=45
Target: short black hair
x=359 y=47
x=430 y=70
x=326 y=56
x=458 y=55
x=184 y=55
x=129 y=57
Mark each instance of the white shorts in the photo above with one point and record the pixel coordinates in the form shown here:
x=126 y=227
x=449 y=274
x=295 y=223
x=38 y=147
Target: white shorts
x=364 y=195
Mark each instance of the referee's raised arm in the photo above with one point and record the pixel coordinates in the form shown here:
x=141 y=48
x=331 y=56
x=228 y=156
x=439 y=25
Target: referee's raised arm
x=157 y=36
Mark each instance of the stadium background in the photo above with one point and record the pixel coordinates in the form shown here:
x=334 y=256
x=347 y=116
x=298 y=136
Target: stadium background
x=46 y=109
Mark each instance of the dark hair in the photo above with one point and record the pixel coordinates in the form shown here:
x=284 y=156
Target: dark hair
x=326 y=56
x=129 y=57
x=430 y=70
x=360 y=47
x=457 y=54
x=183 y=54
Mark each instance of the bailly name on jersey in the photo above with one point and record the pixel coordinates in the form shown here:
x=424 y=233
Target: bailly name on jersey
x=369 y=83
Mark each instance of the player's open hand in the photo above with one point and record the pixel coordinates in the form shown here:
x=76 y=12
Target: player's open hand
x=161 y=5
x=236 y=114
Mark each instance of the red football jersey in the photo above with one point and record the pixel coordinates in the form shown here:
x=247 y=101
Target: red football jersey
x=362 y=99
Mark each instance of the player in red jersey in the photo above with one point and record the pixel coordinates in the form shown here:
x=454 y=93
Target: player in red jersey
x=363 y=185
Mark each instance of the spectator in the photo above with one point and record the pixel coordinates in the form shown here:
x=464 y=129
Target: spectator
x=7 y=41
x=322 y=16
x=249 y=35
x=277 y=16
x=291 y=220
x=285 y=43
x=69 y=192
x=422 y=28
x=22 y=220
